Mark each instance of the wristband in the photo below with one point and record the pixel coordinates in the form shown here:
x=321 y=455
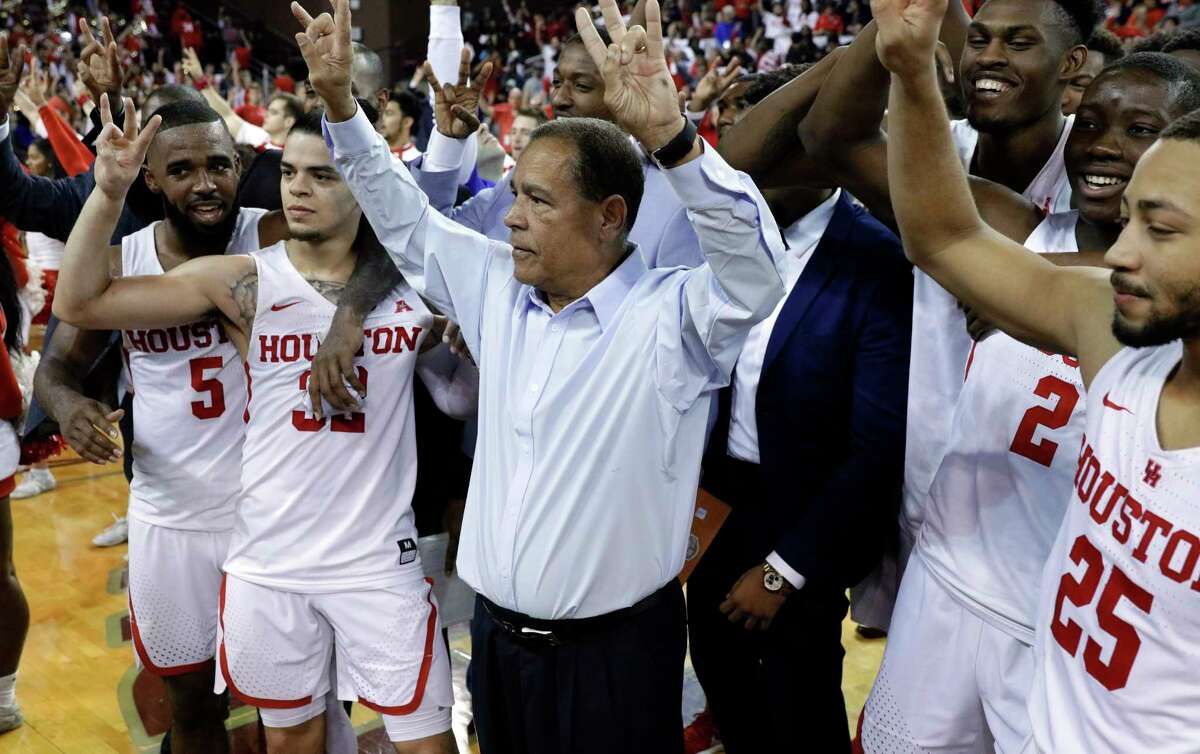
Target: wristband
x=201 y=83
x=677 y=148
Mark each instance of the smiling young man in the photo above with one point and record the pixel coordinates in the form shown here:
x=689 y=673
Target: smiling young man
x=959 y=662
x=1118 y=618
x=1103 y=48
x=305 y=581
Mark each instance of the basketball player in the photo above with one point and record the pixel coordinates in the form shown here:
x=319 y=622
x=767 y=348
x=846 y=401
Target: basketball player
x=1018 y=58
x=1117 y=618
x=323 y=560
x=1103 y=48
x=959 y=660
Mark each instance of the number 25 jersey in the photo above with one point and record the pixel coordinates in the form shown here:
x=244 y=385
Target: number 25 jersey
x=327 y=503
x=188 y=398
x=1118 y=640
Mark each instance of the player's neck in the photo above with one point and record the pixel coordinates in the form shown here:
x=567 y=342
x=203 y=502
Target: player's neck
x=1188 y=376
x=401 y=140
x=175 y=247
x=327 y=259
x=1090 y=236
x=1015 y=157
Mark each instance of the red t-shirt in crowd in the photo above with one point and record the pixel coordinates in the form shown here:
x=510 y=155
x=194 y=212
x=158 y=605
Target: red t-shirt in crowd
x=252 y=114
x=502 y=116
x=242 y=55
x=285 y=83
x=832 y=23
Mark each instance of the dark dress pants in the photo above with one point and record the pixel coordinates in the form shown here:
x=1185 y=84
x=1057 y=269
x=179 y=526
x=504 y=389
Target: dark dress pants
x=618 y=689
x=773 y=690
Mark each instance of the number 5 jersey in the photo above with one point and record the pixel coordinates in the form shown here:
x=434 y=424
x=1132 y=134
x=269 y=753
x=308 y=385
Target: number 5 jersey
x=189 y=394
x=996 y=501
x=1118 y=643
x=326 y=503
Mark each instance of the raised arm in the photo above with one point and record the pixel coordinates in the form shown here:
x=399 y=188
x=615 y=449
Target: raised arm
x=1066 y=308
x=739 y=285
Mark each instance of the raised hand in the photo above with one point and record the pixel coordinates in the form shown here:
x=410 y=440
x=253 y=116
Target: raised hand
x=37 y=87
x=712 y=85
x=638 y=88
x=100 y=61
x=12 y=65
x=454 y=106
x=191 y=65
x=120 y=154
x=325 y=45
x=908 y=34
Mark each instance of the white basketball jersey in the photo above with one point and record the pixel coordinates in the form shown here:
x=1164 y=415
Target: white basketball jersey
x=995 y=504
x=1119 y=616
x=326 y=504
x=1050 y=189
x=940 y=343
x=189 y=395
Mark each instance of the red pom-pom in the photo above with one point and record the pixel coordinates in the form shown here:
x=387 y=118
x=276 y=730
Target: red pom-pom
x=34 y=451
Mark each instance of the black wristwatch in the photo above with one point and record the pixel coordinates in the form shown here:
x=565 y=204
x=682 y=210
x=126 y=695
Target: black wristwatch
x=676 y=149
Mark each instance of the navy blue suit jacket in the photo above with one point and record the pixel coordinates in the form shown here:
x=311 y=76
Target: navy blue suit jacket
x=831 y=406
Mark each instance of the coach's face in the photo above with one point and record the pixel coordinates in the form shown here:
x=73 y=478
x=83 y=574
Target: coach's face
x=577 y=90
x=195 y=169
x=1119 y=118
x=563 y=243
x=317 y=203
x=1016 y=63
x=1156 y=260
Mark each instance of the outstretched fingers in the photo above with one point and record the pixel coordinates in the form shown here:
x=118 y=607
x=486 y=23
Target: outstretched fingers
x=654 y=30
x=303 y=16
x=341 y=26
x=591 y=38
x=464 y=67
x=482 y=76
x=612 y=20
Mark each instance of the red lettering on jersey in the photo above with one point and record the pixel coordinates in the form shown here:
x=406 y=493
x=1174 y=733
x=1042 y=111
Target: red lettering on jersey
x=1086 y=478
x=1153 y=473
x=221 y=336
x=1105 y=482
x=381 y=339
x=1184 y=571
x=157 y=340
x=1131 y=510
x=136 y=340
x=181 y=340
x=1154 y=523
x=289 y=348
x=268 y=348
x=406 y=338
x=402 y=306
x=309 y=353
x=202 y=334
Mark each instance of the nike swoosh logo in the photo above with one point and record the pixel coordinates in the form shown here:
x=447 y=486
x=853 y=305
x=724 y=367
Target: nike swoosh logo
x=281 y=307
x=1115 y=407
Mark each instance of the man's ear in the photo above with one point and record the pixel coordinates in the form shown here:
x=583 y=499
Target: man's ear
x=381 y=100
x=613 y=212
x=1073 y=62
x=150 y=182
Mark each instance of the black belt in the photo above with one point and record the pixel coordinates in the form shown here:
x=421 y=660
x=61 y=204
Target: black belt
x=559 y=632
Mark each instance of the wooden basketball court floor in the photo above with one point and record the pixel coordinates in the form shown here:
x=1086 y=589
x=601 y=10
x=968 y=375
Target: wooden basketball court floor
x=77 y=684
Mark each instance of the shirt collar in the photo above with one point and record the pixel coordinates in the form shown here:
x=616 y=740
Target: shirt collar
x=605 y=297
x=803 y=235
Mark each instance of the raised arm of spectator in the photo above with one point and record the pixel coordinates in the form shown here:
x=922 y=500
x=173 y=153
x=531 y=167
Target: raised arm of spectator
x=941 y=228
x=765 y=142
x=101 y=72
x=739 y=285
x=195 y=73
x=35 y=90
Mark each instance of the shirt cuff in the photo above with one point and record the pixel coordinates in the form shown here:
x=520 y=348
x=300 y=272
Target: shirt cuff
x=350 y=137
x=695 y=118
x=704 y=182
x=443 y=152
x=4 y=128
x=444 y=22
x=786 y=571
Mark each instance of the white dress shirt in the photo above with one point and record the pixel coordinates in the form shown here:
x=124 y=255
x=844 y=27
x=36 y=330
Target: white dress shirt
x=802 y=238
x=591 y=420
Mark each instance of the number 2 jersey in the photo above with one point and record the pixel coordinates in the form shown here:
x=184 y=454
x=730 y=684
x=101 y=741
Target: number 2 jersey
x=326 y=504
x=996 y=501
x=1119 y=615
x=189 y=394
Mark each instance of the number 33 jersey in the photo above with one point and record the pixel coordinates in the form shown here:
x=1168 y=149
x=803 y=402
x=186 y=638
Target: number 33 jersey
x=326 y=503
x=997 y=499
x=1118 y=643
x=188 y=398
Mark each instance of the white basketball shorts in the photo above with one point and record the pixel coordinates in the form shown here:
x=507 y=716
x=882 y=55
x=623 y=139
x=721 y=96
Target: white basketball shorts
x=950 y=682
x=10 y=457
x=387 y=644
x=174 y=593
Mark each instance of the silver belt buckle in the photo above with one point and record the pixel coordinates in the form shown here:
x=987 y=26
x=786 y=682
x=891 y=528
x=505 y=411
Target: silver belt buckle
x=546 y=635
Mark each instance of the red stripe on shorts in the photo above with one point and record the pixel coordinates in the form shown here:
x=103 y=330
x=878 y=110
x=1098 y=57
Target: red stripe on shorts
x=251 y=700
x=426 y=662
x=144 y=656
x=7 y=485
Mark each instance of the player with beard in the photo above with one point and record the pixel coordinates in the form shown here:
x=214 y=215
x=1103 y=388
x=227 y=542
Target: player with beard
x=1117 y=619
x=958 y=666
x=1018 y=58
x=306 y=581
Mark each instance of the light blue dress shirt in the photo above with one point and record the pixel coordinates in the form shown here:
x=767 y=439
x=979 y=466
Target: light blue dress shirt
x=592 y=419
x=661 y=229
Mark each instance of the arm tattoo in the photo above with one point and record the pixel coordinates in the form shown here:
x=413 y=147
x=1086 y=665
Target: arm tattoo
x=375 y=275
x=331 y=290
x=245 y=296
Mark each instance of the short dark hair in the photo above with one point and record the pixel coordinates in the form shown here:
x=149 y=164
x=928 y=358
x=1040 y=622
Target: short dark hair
x=575 y=39
x=1152 y=43
x=309 y=123
x=409 y=104
x=1183 y=81
x=168 y=93
x=1078 y=18
x=185 y=113
x=295 y=107
x=763 y=85
x=1186 y=128
x=47 y=149
x=1107 y=44
x=1185 y=39
x=605 y=162
x=535 y=113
